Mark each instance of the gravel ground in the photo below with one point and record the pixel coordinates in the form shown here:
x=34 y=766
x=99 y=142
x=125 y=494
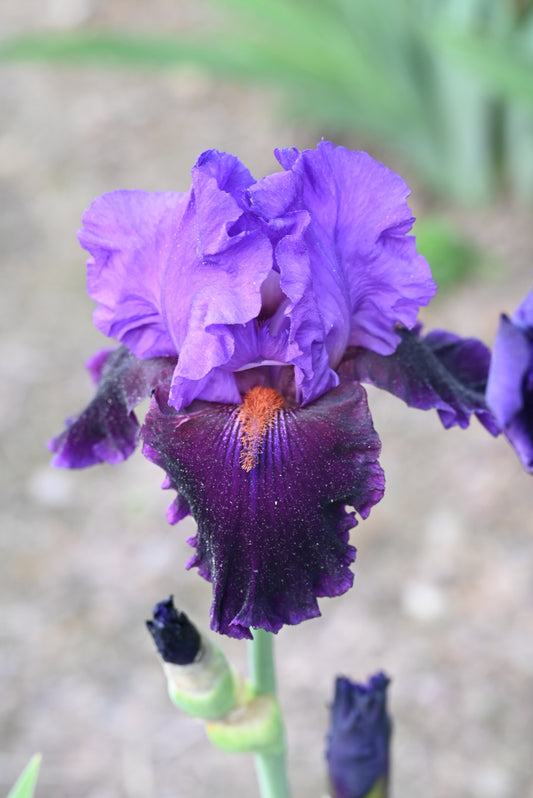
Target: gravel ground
x=443 y=596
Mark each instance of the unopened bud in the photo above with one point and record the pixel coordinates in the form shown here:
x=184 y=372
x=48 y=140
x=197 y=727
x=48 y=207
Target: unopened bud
x=358 y=739
x=176 y=638
x=199 y=678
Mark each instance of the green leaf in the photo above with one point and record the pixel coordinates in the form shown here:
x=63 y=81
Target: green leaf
x=505 y=70
x=25 y=784
x=315 y=60
x=420 y=75
x=106 y=49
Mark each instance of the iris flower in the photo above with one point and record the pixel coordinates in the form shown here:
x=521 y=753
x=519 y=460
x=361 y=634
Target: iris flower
x=510 y=383
x=251 y=311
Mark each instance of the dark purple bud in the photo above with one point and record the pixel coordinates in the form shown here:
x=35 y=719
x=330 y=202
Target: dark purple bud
x=177 y=640
x=358 y=738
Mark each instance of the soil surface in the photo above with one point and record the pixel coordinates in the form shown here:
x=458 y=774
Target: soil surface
x=443 y=595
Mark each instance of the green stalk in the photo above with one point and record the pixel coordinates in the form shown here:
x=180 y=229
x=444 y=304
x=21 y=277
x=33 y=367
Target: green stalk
x=270 y=768
x=261 y=662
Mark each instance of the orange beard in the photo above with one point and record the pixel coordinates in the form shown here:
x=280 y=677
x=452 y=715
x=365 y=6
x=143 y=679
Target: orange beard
x=256 y=416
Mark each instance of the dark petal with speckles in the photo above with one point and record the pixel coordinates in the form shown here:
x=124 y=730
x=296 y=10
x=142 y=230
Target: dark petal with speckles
x=273 y=539
x=108 y=430
x=441 y=371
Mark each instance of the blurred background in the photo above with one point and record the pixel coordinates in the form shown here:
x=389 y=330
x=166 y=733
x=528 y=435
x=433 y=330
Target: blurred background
x=98 y=95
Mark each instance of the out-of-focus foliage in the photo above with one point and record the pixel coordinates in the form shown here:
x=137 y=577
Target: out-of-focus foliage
x=446 y=83
x=451 y=256
x=25 y=785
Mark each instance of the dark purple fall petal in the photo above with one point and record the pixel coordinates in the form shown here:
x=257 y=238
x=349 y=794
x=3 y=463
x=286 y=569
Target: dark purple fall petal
x=274 y=538
x=441 y=371
x=359 y=737
x=510 y=383
x=107 y=430
x=176 y=638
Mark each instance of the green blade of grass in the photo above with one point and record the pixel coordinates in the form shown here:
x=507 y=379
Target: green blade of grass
x=108 y=49
x=341 y=73
x=25 y=784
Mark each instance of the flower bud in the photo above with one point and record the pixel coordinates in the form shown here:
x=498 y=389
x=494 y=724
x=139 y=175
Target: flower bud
x=358 y=739
x=199 y=678
x=176 y=638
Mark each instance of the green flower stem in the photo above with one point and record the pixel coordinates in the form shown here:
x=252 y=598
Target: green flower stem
x=271 y=775
x=261 y=662
x=270 y=768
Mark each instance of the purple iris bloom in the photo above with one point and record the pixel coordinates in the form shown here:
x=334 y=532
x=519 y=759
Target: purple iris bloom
x=510 y=383
x=359 y=737
x=251 y=311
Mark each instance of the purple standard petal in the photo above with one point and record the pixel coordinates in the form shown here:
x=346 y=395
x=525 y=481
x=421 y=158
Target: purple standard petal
x=298 y=323
x=268 y=486
x=365 y=271
x=359 y=738
x=107 y=430
x=212 y=282
x=510 y=383
x=235 y=274
x=129 y=234
x=441 y=371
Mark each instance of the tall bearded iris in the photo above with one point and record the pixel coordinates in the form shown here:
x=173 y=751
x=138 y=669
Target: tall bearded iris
x=251 y=311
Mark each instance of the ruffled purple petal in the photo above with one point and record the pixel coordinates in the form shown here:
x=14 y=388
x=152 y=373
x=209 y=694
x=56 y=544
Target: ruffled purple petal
x=441 y=371
x=107 y=430
x=510 y=383
x=366 y=274
x=285 y=272
x=273 y=538
x=129 y=235
x=212 y=282
x=277 y=202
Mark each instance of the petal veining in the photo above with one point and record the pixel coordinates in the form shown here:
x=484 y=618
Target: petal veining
x=274 y=536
